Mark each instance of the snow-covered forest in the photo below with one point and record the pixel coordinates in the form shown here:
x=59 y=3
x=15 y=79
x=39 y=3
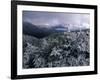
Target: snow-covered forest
x=62 y=49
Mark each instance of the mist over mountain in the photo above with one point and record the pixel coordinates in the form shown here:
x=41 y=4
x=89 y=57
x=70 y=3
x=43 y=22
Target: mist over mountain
x=41 y=31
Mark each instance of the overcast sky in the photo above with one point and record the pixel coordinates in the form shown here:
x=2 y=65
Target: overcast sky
x=55 y=18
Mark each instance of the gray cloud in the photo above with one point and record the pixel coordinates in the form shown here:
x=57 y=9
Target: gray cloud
x=54 y=18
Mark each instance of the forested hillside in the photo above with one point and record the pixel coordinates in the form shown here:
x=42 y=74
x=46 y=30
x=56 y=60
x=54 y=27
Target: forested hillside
x=56 y=50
